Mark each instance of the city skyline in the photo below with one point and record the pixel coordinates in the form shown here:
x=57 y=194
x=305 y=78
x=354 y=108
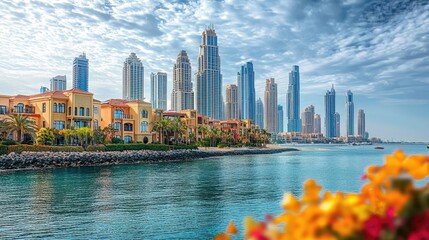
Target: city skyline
x=383 y=44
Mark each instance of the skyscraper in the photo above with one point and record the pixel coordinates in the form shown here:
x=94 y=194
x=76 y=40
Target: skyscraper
x=259 y=113
x=337 y=125
x=361 y=123
x=133 y=78
x=81 y=72
x=43 y=89
x=58 y=83
x=231 y=102
x=317 y=124
x=158 y=90
x=209 y=77
x=293 y=99
x=308 y=120
x=330 y=113
x=280 y=120
x=270 y=105
x=182 y=96
x=349 y=114
x=246 y=89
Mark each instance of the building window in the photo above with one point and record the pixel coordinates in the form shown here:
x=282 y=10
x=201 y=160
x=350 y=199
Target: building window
x=81 y=111
x=95 y=110
x=55 y=107
x=117 y=126
x=127 y=139
x=145 y=114
x=43 y=107
x=3 y=109
x=87 y=111
x=143 y=126
x=95 y=124
x=75 y=111
x=69 y=110
x=59 y=125
x=20 y=108
x=119 y=114
x=61 y=108
x=44 y=124
x=128 y=127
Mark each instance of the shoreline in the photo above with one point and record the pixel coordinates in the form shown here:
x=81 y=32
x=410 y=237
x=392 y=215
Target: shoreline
x=52 y=160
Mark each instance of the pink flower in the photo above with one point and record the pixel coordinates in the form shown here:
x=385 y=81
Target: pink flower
x=422 y=234
x=373 y=227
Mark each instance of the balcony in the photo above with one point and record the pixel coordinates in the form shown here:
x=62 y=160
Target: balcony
x=23 y=109
x=3 y=110
x=123 y=116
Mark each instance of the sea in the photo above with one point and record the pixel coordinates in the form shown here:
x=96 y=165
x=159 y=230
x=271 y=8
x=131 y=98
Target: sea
x=179 y=200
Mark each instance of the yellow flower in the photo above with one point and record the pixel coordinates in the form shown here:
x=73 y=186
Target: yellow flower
x=311 y=191
x=231 y=229
x=290 y=203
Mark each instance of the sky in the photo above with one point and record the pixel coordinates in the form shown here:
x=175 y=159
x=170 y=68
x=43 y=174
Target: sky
x=377 y=49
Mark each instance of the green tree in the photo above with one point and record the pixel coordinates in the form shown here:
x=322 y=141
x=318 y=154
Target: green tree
x=20 y=125
x=162 y=126
x=67 y=134
x=99 y=136
x=84 y=135
x=45 y=136
x=109 y=131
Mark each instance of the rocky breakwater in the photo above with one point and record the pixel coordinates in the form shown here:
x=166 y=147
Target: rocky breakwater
x=42 y=160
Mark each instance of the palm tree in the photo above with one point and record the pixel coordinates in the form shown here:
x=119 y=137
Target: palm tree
x=214 y=133
x=162 y=126
x=20 y=125
x=66 y=133
x=204 y=130
x=84 y=133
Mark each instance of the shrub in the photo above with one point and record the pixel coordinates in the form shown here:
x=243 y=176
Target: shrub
x=117 y=141
x=3 y=149
x=40 y=148
x=96 y=148
x=9 y=142
x=222 y=145
x=137 y=146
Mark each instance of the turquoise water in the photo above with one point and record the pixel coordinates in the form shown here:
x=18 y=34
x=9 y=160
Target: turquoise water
x=186 y=200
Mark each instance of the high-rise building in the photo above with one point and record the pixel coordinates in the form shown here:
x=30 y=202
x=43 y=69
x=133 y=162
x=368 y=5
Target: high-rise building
x=81 y=72
x=182 y=96
x=231 y=102
x=330 y=113
x=133 y=78
x=317 y=124
x=43 y=89
x=293 y=101
x=246 y=91
x=361 y=123
x=308 y=120
x=270 y=105
x=59 y=83
x=280 y=120
x=259 y=113
x=337 y=125
x=209 y=77
x=349 y=114
x=158 y=90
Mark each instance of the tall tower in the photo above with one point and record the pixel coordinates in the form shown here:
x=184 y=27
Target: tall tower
x=337 y=125
x=308 y=120
x=349 y=114
x=182 y=96
x=209 y=77
x=231 y=102
x=361 y=123
x=133 y=78
x=317 y=124
x=270 y=102
x=293 y=99
x=158 y=90
x=246 y=88
x=80 y=72
x=330 y=113
x=59 y=83
x=259 y=113
x=280 y=120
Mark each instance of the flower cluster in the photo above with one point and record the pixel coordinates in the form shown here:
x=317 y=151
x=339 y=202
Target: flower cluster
x=389 y=206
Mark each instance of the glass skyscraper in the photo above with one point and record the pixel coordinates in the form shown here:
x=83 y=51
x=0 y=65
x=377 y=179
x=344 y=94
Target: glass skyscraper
x=361 y=123
x=280 y=120
x=308 y=120
x=349 y=114
x=182 y=96
x=246 y=91
x=59 y=83
x=158 y=90
x=80 y=72
x=209 y=77
x=293 y=99
x=231 y=102
x=270 y=105
x=133 y=78
x=259 y=113
x=330 y=113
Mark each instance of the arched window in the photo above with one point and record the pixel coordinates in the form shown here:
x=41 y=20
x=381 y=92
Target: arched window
x=20 y=108
x=61 y=108
x=145 y=114
x=143 y=126
x=96 y=124
x=127 y=139
x=55 y=107
x=117 y=126
x=87 y=111
x=81 y=111
x=119 y=114
x=43 y=107
x=75 y=111
x=128 y=127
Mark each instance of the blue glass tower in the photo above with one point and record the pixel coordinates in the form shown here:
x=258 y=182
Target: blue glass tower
x=259 y=113
x=330 y=119
x=80 y=73
x=209 y=77
x=246 y=86
x=293 y=101
x=350 y=114
x=280 y=118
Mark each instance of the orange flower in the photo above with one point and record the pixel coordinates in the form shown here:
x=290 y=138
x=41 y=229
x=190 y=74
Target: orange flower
x=221 y=236
x=311 y=191
x=231 y=229
x=290 y=203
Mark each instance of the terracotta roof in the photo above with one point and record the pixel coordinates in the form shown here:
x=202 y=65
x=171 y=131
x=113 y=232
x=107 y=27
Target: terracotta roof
x=75 y=90
x=52 y=94
x=138 y=101
x=173 y=114
x=115 y=103
x=21 y=96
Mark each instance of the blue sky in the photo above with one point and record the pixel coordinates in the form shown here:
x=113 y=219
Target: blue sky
x=377 y=49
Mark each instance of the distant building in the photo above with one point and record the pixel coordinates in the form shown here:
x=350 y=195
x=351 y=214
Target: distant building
x=158 y=86
x=231 y=102
x=317 y=124
x=270 y=105
x=81 y=73
x=209 y=77
x=308 y=120
x=59 y=83
x=280 y=120
x=330 y=113
x=259 y=113
x=361 y=123
x=349 y=114
x=182 y=96
x=337 y=125
x=43 y=89
x=246 y=91
x=293 y=101
x=133 y=78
